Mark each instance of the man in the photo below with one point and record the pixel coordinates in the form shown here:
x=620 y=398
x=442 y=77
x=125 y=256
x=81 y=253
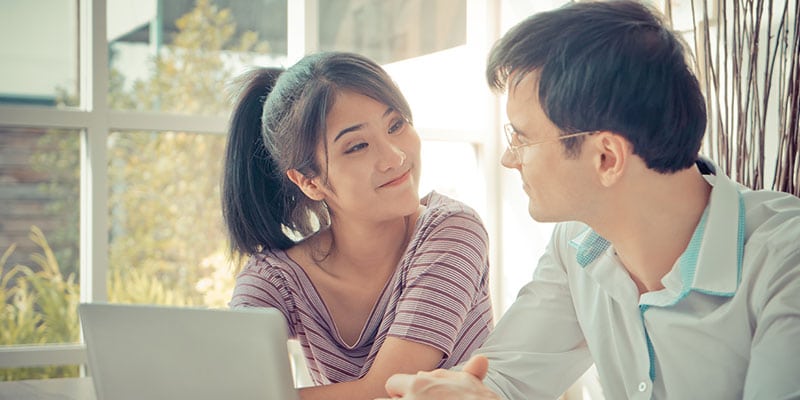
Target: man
x=674 y=280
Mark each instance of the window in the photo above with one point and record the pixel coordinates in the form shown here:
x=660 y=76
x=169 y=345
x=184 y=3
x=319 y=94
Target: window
x=39 y=61
x=177 y=56
x=167 y=243
x=110 y=160
x=390 y=31
x=39 y=190
x=112 y=123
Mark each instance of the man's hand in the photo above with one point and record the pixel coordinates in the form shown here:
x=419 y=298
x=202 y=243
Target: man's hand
x=443 y=384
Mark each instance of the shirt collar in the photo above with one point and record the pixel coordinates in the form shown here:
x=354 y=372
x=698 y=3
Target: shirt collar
x=707 y=265
x=718 y=268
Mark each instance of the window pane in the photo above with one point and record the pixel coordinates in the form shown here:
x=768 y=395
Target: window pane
x=392 y=30
x=457 y=175
x=39 y=193
x=167 y=242
x=178 y=56
x=679 y=12
x=39 y=56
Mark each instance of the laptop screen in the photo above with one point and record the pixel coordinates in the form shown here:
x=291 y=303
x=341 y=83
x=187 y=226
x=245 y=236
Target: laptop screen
x=159 y=352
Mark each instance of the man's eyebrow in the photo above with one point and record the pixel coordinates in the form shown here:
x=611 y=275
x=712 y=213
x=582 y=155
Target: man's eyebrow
x=388 y=111
x=519 y=132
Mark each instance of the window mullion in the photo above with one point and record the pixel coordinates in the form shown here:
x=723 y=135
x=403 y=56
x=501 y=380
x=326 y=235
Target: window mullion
x=483 y=29
x=302 y=29
x=94 y=180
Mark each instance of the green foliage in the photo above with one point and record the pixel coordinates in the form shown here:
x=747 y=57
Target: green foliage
x=56 y=295
x=40 y=306
x=57 y=155
x=165 y=207
x=137 y=287
x=190 y=74
x=166 y=239
x=19 y=323
x=164 y=211
x=165 y=214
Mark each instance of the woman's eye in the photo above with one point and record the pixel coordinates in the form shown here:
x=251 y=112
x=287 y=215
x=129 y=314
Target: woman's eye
x=397 y=125
x=355 y=148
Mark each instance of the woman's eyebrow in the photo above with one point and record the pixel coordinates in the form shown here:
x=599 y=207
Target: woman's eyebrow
x=388 y=111
x=347 y=130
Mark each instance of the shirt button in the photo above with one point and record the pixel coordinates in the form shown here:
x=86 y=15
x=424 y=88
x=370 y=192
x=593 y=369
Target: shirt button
x=642 y=386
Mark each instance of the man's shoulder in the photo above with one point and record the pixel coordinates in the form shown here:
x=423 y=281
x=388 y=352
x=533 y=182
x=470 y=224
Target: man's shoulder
x=777 y=202
x=772 y=216
x=772 y=234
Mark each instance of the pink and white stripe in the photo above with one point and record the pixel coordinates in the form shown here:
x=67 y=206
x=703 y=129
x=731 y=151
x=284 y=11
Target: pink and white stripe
x=439 y=296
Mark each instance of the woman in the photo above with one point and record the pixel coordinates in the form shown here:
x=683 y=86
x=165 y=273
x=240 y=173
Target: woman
x=321 y=192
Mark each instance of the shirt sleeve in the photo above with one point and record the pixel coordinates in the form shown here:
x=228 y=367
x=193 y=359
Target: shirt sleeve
x=537 y=349
x=774 y=353
x=262 y=285
x=444 y=279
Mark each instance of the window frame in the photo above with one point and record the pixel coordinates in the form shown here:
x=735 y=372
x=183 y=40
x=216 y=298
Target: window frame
x=96 y=120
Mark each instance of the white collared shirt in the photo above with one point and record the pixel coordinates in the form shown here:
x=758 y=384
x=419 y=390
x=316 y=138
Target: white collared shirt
x=725 y=326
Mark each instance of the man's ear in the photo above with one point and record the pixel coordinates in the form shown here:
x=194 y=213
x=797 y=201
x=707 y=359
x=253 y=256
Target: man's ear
x=613 y=151
x=309 y=186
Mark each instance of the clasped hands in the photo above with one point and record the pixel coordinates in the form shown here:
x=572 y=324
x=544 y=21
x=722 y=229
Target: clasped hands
x=442 y=384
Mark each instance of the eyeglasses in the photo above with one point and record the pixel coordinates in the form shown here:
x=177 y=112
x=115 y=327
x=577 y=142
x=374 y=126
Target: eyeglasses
x=512 y=137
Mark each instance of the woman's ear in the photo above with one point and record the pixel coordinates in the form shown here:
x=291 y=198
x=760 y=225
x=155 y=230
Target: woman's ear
x=309 y=186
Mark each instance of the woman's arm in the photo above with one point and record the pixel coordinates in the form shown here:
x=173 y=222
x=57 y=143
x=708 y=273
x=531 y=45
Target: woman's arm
x=395 y=356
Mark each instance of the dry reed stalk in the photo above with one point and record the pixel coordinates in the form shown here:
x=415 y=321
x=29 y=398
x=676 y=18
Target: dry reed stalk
x=747 y=50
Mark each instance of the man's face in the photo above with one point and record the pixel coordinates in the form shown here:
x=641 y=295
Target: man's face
x=556 y=184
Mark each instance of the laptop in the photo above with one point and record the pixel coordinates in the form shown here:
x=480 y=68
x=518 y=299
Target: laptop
x=159 y=352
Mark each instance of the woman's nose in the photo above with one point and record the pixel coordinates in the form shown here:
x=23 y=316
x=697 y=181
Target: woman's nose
x=391 y=156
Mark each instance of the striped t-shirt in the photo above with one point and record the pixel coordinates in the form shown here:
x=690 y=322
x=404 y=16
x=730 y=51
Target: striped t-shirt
x=438 y=296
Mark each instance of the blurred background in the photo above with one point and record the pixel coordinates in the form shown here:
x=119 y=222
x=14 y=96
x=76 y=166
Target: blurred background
x=113 y=116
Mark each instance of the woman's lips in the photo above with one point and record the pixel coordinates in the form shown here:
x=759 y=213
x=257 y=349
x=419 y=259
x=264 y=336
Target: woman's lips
x=396 y=181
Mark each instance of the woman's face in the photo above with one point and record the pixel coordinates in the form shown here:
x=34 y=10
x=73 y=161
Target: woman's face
x=373 y=160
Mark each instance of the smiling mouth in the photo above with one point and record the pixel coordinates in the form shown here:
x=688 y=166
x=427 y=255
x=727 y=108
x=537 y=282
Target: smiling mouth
x=396 y=181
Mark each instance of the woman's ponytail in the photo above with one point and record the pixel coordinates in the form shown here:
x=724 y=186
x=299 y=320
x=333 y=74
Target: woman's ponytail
x=253 y=193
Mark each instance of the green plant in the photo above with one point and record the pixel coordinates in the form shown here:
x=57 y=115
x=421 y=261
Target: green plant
x=19 y=323
x=166 y=239
x=137 y=286
x=40 y=306
x=165 y=219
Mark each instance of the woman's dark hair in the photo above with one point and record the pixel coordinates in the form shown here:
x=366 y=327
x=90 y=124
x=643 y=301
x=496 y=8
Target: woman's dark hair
x=609 y=66
x=277 y=124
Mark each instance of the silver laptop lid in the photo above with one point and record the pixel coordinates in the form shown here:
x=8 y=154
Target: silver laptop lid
x=158 y=352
